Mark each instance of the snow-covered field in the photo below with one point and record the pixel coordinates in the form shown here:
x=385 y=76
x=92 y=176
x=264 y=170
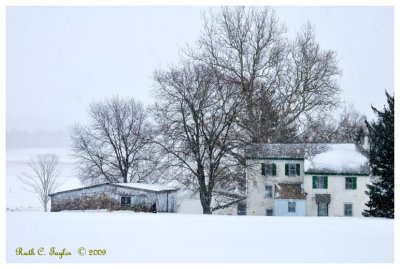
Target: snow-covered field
x=140 y=237
x=146 y=237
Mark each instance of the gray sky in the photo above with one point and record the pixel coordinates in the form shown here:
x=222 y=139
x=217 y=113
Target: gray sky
x=59 y=59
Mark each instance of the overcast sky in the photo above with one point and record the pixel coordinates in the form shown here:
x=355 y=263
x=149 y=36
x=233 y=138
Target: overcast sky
x=59 y=59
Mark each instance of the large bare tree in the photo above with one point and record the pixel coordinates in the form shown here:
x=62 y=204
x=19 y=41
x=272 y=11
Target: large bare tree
x=196 y=112
x=341 y=125
x=282 y=80
x=115 y=145
x=43 y=177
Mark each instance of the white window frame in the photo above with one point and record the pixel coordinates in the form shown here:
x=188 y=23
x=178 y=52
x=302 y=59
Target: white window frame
x=352 y=183
x=292 y=168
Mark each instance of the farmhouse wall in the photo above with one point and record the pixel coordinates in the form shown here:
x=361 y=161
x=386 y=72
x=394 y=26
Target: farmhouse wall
x=339 y=195
x=257 y=202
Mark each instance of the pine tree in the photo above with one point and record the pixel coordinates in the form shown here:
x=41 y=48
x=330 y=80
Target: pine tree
x=381 y=191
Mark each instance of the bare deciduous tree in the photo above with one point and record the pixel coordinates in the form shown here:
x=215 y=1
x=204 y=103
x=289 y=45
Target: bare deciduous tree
x=115 y=145
x=281 y=80
x=196 y=112
x=43 y=178
x=347 y=127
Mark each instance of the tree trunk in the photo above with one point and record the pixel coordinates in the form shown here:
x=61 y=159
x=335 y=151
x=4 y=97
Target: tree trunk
x=206 y=203
x=205 y=197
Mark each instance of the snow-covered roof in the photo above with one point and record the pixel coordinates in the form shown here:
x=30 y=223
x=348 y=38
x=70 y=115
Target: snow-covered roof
x=150 y=187
x=318 y=158
x=338 y=158
x=284 y=151
x=140 y=186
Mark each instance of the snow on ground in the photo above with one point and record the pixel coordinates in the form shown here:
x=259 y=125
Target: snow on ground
x=146 y=237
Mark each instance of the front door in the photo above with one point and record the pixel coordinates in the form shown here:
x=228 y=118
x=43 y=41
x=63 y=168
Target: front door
x=322 y=209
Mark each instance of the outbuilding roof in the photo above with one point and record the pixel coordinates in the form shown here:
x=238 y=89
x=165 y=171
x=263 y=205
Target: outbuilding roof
x=137 y=186
x=150 y=187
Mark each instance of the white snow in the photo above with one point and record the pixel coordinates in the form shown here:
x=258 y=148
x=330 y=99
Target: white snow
x=146 y=237
x=151 y=187
x=338 y=158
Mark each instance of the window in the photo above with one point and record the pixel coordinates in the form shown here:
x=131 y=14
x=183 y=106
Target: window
x=351 y=183
x=320 y=182
x=269 y=212
x=241 y=209
x=268 y=191
x=125 y=201
x=348 y=210
x=292 y=207
x=268 y=169
x=292 y=169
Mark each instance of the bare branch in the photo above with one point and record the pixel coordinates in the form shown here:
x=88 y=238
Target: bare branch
x=115 y=146
x=44 y=177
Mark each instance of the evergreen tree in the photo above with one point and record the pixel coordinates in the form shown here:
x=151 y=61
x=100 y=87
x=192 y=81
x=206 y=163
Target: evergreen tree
x=381 y=191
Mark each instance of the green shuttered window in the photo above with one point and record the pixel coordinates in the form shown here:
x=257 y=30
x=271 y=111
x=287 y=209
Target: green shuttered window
x=350 y=183
x=292 y=169
x=268 y=169
x=320 y=182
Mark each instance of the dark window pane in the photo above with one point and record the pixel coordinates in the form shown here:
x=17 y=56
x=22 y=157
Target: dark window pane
x=268 y=191
x=348 y=210
x=125 y=200
x=349 y=183
x=241 y=209
x=292 y=207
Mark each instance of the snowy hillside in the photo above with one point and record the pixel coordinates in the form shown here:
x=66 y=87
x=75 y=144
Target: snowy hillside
x=147 y=237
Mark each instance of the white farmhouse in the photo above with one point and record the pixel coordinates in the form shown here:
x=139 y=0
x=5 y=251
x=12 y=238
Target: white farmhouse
x=335 y=182
x=305 y=180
